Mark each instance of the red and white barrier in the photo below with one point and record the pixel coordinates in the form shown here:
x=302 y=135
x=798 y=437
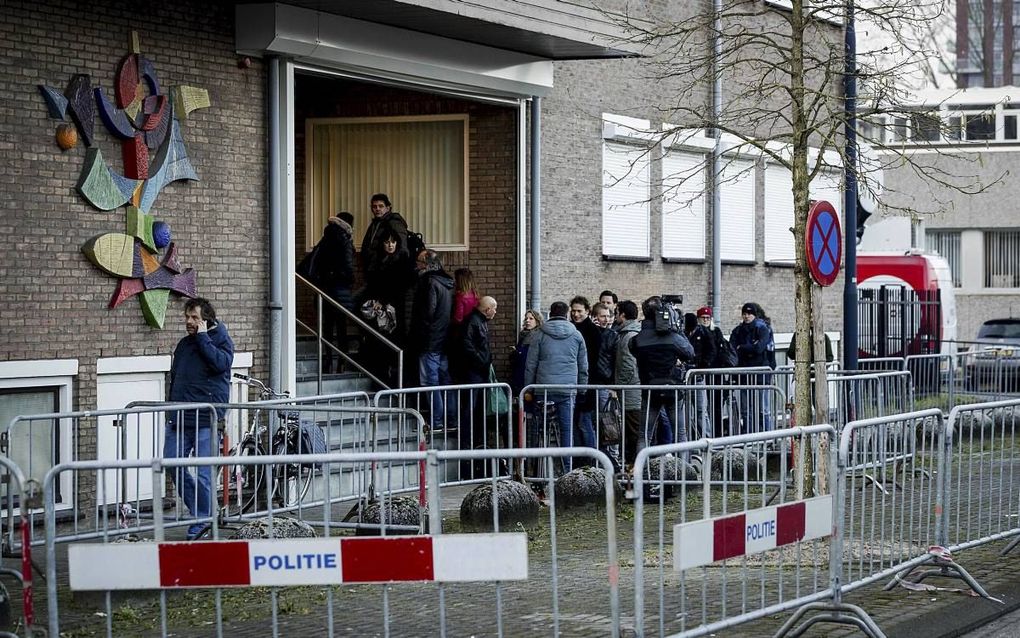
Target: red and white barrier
x=754 y=531
x=304 y=561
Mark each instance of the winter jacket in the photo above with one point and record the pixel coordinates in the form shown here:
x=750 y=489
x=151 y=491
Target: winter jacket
x=703 y=342
x=200 y=373
x=475 y=353
x=430 y=314
x=626 y=365
x=388 y=284
x=557 y=355
x=330 y=265
x=371 y=245
x=592 y=335
x=750 y=340
x=791 y=352
x=463 y=304
x=657 y=354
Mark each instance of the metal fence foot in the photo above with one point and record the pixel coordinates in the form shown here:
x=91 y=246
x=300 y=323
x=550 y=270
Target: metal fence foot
x=1012 y=545
x=837 y=613
x=945 y=567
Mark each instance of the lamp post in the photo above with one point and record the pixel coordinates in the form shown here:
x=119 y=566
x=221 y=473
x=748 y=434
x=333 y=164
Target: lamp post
x=850 y=335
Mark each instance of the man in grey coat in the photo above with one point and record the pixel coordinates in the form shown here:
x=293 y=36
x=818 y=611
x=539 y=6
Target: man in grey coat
x=557 y=356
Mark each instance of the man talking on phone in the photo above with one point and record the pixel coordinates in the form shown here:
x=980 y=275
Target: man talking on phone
x=200 y=373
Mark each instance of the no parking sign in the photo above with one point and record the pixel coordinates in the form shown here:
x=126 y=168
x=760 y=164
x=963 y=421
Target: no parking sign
x=823 y=241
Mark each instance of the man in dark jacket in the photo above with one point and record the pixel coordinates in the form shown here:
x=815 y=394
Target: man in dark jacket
x=200 y=373
x=657 y=353
x=474 y=353
x=430 y=327
x=751 y=338
x=383 y=218
x=580 y=316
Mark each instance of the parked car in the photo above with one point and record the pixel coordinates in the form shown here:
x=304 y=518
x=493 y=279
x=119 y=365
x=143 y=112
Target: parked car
x=994 y=361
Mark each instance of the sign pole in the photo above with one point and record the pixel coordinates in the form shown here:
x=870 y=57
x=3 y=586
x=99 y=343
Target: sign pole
x=850 y=336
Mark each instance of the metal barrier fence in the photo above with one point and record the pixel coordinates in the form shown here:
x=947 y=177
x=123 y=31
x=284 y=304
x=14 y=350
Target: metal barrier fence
x=854 y=394
x=459 y=579
x=22 y=494
x=990 y=372
x=623 y=419
x=466 y=417
x=983 y=474
x=128 y=503
x=722 y=513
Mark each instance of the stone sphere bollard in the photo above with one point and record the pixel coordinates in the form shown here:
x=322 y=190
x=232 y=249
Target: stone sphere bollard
x=669 y=469
x=517 y=503
x=400 y=510
x=282 y=527
x=731 y=463
x=581 y=486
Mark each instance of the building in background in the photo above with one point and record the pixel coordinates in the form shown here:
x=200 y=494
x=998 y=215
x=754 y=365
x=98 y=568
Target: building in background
x=987 y=42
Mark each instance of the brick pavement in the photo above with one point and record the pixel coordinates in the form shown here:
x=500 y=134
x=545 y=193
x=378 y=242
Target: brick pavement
x=583 y=596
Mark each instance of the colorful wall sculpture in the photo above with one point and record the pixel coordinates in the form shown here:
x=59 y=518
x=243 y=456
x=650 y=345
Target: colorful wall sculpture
x=147 y=122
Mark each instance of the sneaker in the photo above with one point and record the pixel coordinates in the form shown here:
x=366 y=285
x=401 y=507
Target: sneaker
x=197 y=531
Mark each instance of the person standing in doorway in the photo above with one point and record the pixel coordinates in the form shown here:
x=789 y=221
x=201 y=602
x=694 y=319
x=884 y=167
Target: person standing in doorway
x=200 y=373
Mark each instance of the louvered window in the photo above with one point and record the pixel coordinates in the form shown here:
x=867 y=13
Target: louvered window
x=779 y=243
x=683 y=205
x=736 y=201
x=625 y=201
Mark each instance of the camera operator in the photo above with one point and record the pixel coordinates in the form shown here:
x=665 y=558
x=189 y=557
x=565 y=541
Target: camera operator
x=661 y=350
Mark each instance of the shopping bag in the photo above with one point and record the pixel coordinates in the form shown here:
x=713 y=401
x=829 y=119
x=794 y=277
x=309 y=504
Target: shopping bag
x=610 y=422
x=498 y=403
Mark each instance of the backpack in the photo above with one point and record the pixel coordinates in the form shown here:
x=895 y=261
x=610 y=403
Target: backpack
x=725 y=355
x=770 y=349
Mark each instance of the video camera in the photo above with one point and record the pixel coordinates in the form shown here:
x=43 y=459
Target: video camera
x=670 y=317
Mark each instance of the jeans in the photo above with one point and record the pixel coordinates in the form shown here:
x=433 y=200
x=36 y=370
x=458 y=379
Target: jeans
x=180 y=442
x=565 y=421
x=661 y=406
x=702 y=418
x=756 y=405
x=434 y=370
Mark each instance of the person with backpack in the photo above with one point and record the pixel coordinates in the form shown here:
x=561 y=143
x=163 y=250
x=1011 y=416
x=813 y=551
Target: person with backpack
x=658 y=349
x=725 y=357
x=330 y=267
x=751 y=339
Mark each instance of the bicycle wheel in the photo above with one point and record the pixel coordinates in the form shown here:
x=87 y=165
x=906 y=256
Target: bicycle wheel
x=291 y=480
x=247 y=488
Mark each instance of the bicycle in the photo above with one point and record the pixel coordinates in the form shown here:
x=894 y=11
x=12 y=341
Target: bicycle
x=291 y=481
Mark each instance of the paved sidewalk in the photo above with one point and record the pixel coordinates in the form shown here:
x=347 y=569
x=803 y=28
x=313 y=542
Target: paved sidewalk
x=527 y=608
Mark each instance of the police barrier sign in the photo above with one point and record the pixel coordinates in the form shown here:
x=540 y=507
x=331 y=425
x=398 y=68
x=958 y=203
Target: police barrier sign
x=754 y=531
x=304 y=561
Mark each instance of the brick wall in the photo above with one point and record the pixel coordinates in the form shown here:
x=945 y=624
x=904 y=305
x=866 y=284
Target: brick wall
x=492 y=166
x=572 y=193
x=55 y=300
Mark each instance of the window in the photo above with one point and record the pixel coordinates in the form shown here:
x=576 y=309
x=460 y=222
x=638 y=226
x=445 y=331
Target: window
x=925 y=127
x=827 y=185
x=779 y=217
x=32 y=445
x=625 y=201
x=736 y=214
x=946 y=244
x=683 y=205
x=420 y=162
x=1002 y=259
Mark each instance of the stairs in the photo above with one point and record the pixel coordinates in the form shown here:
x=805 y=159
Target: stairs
x=308 y=368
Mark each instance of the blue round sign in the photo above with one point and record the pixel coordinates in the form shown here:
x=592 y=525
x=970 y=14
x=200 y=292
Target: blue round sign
x=824 y=243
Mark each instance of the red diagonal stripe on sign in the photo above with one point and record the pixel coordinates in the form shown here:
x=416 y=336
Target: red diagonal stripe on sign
x=729 y=537
x=790 y=522
x=380 y=560
x=220 y=564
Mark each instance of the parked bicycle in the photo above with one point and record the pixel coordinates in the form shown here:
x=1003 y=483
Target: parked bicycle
x=247 y=483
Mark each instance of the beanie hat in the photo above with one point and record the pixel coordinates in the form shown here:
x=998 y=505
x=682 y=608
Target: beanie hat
x=704 y=311
x=749 y=309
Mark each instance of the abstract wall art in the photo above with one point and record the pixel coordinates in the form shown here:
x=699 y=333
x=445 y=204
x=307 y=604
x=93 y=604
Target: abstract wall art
x=146 y=123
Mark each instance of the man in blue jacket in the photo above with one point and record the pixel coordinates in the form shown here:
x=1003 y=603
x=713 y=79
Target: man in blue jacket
x=200 y=373
x=755 y=345
x=557 y=356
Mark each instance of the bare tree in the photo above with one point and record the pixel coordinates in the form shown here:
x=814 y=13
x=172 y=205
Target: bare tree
x=781 y=65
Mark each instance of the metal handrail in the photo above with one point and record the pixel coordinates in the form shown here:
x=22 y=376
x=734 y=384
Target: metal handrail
x=323 y=296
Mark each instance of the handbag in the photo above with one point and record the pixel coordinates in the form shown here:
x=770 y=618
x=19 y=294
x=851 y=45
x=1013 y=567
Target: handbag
x=497 y=400
x=610 y=422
